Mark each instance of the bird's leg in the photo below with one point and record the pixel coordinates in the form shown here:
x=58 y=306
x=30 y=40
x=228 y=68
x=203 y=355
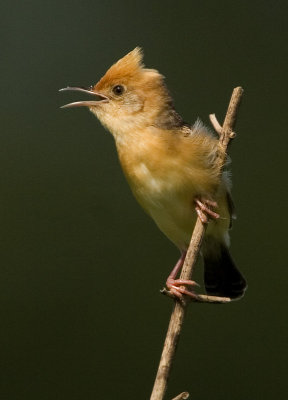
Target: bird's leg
x=204 y=211
x=174 y=285
x=177 y=286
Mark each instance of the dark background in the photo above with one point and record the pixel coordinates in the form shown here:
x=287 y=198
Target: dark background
x=81 y=264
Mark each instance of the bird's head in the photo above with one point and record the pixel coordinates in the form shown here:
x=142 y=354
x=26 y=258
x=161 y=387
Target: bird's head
x=128 y=97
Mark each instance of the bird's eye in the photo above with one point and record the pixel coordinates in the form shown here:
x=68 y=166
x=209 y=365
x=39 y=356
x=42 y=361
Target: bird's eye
x=118 y=90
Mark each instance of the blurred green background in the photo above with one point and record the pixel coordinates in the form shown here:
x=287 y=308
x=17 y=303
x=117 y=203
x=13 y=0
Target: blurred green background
x=81 y=264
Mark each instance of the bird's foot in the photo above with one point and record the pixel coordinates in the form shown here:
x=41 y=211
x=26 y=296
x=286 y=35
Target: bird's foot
x=177 y=287
x=203 y=209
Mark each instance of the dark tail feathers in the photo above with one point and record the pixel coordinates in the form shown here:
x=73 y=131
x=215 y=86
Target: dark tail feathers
x=221 y=276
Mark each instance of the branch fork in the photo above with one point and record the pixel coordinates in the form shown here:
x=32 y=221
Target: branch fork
x=218 y=128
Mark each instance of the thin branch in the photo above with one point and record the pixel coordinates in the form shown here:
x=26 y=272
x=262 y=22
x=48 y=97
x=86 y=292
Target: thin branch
x=200 y=298
x=178 y=313
x=215 y=123
x=182 y=396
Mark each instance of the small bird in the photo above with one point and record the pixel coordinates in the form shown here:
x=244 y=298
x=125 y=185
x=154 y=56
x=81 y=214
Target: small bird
x=171 y=168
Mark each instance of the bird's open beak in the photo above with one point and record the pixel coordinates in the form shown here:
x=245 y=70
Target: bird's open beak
x=102 y=98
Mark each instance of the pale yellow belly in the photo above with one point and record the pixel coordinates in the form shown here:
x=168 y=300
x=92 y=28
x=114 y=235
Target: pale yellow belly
x=172 y=210
x=174 y=213
x=176 y=220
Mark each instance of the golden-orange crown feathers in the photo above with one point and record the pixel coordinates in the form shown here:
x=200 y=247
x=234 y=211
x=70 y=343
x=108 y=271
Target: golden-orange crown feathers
x=128 y=68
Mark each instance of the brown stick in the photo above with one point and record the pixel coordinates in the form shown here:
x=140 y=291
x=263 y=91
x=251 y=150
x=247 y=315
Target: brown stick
x=182 y=396
x=178 y=313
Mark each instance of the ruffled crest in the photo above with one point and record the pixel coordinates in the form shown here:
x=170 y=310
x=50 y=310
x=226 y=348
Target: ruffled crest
x=124 y=69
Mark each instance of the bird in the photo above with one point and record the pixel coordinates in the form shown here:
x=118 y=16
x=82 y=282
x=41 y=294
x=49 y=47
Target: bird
x=171 y=167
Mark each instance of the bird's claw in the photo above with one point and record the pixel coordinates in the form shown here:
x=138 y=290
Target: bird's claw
x=177 y=287
x=204 y=211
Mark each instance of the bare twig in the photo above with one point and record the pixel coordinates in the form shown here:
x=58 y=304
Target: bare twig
x=215 y=123
x=200 y=298
x=178 y=313
x=182 y=396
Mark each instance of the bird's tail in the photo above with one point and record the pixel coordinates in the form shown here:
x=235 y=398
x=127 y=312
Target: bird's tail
x=221 y=276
